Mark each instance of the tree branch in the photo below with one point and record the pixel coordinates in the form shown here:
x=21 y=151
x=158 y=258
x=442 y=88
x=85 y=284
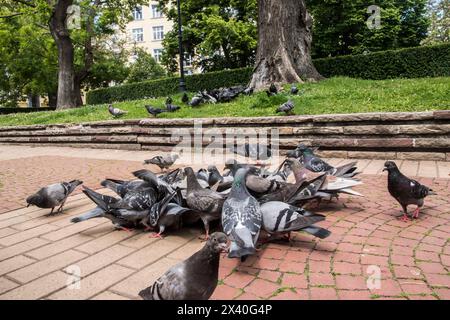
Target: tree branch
x=12 y=15
x=27 y=3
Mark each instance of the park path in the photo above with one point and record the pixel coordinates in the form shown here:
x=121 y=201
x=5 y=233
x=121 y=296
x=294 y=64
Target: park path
x=38 y=254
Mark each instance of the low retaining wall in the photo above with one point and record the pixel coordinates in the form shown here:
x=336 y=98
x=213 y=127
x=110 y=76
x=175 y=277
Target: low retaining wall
x=415 y=136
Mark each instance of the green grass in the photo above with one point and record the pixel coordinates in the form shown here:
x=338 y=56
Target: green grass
x=334 y=95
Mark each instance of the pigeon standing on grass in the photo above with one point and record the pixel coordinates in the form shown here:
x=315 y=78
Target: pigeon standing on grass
x=154 y=111
x=405 y=190
x=193 y=279
x=185 y=98
x=53 y=195
x=294 y=90
x=163 y=162
x=241 y=217
x=287 y=108
x=273 y=91
x=116 y=112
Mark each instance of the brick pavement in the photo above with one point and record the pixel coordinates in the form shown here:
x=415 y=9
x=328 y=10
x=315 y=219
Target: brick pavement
x=38 y=254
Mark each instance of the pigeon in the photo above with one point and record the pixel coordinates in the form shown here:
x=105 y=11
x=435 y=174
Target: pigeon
x=193 y=279
x=241 y=217
x=53 y=195
x=252 y=151
x=169 y=101
x=116 y=112
x=129 y=211
x=315 y=164
x=165 y=215
x=281 y=218
x=185 y=98
x=405 y=190
x=154 y=111
x=121 y=188
x=272 y=90
x=207 y=203
x=202 y=174
x=196 y=101
x=172 y=108
x=287 y=108
x=163 y=162
x=294 y=90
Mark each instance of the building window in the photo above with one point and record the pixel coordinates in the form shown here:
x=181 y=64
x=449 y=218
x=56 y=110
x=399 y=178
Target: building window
x=137 y=13
x=138 y=35
x=158 y=33
x=157 y=54
x=155 y=12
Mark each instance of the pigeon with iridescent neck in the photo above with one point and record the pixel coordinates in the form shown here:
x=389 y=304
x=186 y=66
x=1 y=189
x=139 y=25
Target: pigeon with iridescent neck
x=241 y=217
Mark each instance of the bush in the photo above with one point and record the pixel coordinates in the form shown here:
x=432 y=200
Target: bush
x=420 y=62
x=431 y=61
x=168 y=86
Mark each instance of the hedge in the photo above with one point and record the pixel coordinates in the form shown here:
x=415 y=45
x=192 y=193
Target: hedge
x=25 y=110
x=167 y=86
x=419 y=62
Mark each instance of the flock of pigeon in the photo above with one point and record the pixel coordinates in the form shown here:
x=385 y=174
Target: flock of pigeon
x=245 y=200
x=222 y=95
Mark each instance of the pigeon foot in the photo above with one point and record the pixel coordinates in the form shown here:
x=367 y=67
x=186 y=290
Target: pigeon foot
x=404 y=218
x=156 y=236
x=416 y=213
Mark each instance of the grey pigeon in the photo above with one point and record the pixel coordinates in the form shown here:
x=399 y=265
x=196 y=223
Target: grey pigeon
x=172 y=108
x=405 y=190
x=202 y=174
x=130 y=211
x=315 y=164
x=294 y=90
x=193 y=279
x=121 y=188
x=169 y=100
x=281 y=218
x=196 y=101
x=185 y=98
x=164 y=215
x=207 y=203
x=116 y=112
x=163 y=162
x=287 y=108
x=154 y=111
x=241 y=217
x=272 y=90
x=53 y=195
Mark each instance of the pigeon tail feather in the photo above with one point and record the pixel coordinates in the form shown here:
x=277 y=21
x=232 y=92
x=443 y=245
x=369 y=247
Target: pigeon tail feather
x=318 y=232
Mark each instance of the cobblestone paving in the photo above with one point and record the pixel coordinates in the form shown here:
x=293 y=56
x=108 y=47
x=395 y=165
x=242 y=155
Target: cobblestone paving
x=39 y=254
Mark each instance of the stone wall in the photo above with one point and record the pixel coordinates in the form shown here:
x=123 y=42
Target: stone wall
x=418 y=136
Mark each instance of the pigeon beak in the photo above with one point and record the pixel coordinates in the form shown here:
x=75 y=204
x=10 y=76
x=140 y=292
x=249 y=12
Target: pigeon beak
x=385 y=169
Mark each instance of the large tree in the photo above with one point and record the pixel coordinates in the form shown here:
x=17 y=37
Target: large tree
x=76 y=31
x=439 y=14
x=284 y=44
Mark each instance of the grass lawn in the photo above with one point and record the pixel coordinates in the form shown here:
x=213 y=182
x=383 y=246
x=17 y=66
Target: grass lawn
x=334 y=95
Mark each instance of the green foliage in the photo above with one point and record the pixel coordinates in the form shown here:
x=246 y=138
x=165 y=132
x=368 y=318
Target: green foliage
x=145 y=68
x=432 y=61
x=167 y=86
x=340 y=26
x=335 y=95
x=222 y=33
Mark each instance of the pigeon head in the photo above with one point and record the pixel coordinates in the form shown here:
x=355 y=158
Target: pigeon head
x=390 y=166
x=212 y=168
x=218 y=242
x=76 y=183
x=35 y=199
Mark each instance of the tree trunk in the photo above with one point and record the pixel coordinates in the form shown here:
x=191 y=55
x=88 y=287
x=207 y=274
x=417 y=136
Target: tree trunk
x=284 y=44
x=67 y=95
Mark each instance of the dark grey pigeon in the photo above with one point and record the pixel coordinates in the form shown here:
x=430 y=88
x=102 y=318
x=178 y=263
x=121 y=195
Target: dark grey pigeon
x=54 y=195
x=164 y=215
x=207 y=203
x=193 y=279
x=315 y=164
x=163 y=162
x=405 y=190
x=154 y=111
x=294 y=90
x=272 y=90
x=130 y=211
x=172 y=108
x=185 y=98
x=287 y=108
x=280 y=218
x=116 y=112
x=241 y=217
x=169 y=101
